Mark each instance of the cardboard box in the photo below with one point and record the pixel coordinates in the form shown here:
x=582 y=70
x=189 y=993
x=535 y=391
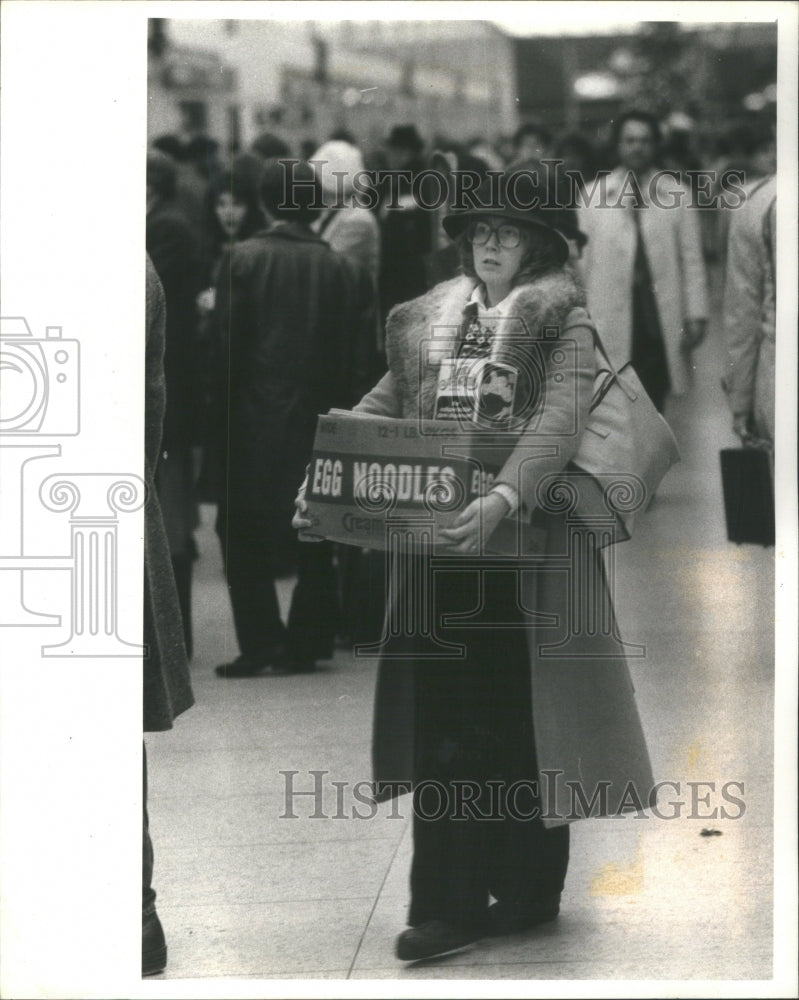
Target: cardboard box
x=373 y=480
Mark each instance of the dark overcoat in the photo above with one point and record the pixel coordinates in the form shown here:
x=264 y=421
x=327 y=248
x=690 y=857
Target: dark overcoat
x=167 y=687
x=173 y=248
x=586 y=725
x=285 y=317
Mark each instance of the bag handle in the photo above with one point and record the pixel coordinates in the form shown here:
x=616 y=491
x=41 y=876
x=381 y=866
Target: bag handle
x=628 y=392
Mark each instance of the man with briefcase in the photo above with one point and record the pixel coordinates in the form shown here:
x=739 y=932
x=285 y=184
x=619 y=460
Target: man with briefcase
x=750 y=332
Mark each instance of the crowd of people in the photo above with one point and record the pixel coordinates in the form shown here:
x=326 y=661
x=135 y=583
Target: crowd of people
x=278 y=309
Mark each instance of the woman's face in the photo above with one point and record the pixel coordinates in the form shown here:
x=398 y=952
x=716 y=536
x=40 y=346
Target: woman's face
x=230 y=213
x=496 y=259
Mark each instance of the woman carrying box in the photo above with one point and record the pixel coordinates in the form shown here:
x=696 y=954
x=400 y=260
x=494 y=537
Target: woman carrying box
x=514 y=714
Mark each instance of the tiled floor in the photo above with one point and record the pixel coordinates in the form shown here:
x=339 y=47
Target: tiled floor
x=246 y=892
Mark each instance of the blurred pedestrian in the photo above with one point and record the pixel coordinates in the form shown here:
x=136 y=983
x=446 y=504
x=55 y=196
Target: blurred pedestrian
x=750 y=150
x=167 y=687
x=532 y=141
x=577 y=155
x=348 y=227
x=236 y=214
x=285 y=318
x=172 y=246
x=485 y=151
x=679 y=148
x=405 y=224
x=270 y=147
x=191 y=193
x=236 y=207
x=643 y=264
x=353 y=232
x=750 y=315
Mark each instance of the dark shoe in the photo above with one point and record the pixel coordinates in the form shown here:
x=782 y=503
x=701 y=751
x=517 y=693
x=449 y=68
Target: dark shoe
x=433 y=939
x=510 y=918
x=248 y=666
x=153 y=945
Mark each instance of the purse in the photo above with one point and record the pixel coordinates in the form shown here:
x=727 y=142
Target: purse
x=625 y=437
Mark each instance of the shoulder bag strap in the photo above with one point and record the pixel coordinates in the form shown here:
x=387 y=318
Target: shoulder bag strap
x=629 y=392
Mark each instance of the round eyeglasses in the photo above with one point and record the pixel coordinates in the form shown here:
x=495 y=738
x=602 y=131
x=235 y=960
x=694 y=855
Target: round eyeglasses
x=508 y=235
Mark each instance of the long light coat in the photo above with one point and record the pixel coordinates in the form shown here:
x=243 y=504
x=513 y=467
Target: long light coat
x=587 y=728
x=750 y=308
x=673 y=244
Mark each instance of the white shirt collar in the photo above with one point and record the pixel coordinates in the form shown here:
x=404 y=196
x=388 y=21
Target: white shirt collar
x=478 y=298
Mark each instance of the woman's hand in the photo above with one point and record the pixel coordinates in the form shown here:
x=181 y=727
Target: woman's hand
x=740 y=425
x=301 y=522
x=694 y=331
x=475 y=524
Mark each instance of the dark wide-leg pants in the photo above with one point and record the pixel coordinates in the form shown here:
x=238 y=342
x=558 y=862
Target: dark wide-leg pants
x=474 y=740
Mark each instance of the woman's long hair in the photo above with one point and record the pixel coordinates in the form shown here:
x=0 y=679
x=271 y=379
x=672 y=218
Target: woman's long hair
x=242 y=179
x=539 y=258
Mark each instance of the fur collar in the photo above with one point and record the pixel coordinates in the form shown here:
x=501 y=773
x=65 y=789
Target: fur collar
x=421 y=332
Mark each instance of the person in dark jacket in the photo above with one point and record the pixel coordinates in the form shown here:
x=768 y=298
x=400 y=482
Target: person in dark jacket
x=285 y=314
x=166 y=684
x=173 y=250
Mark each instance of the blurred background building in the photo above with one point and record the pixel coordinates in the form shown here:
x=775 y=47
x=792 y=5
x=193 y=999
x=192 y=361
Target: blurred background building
x=457 y=80
x=236 y=79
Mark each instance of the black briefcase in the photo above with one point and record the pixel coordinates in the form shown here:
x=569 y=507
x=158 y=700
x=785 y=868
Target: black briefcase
x=748 y=495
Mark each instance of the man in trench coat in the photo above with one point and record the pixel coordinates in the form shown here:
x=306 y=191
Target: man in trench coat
x=750 y=314
x=643 y=267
